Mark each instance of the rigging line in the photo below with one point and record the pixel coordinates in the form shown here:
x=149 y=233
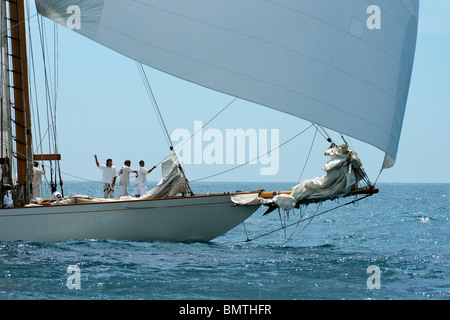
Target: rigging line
x=304 y=219
x=55 y=82
x=55 y=97
x=39 y=145
x=81 y=178
x=18 y=23
x=153 y=100
x=55 y=61
x=304 y=227
x=281 y=222
x=50 y=93
x=325 y=131
x=245 y=229
x=261 y=155
x=203 y=126
x=41 y=27
x=217 y=114
x=35 y=89
x=309 y=153
x=321 y=133
x=69 y=174
x=293 y=235
x=381 y=170
x=75 y=176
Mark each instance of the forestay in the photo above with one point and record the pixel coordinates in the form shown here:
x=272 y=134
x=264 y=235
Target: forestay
x=345 y=65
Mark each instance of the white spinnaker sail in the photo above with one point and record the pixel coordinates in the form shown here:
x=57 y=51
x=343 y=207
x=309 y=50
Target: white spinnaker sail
x=320 y=60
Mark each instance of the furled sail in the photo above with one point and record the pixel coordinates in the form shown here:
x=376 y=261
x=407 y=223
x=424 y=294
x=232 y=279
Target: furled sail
x=173 y=180
x=345 y=64
x=342 y=172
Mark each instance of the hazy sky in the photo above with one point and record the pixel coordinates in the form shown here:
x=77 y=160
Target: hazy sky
x=103 y=109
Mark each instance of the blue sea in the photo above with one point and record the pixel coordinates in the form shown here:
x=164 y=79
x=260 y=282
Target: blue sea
x=393 y=245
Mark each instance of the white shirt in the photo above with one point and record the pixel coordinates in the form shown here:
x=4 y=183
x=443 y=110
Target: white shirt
x=141 y=179
x=124 y=174
x=37 y=176
x=108 y=173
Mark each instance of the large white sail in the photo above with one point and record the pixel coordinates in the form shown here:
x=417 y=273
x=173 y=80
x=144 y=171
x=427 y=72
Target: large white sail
x=344 y=64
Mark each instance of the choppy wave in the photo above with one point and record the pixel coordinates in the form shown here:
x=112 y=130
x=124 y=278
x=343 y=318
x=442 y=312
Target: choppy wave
x=403 y=231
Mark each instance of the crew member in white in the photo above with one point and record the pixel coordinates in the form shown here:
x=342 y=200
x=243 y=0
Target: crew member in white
x=109 y=177
x=37 y=180
x=141 y=179
x=124 y=174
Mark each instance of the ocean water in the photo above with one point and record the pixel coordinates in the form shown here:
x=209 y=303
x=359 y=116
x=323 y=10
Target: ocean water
x=402 y=234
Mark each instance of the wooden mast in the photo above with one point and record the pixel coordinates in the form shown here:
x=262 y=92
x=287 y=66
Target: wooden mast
x=6 y=134
x=21 y=102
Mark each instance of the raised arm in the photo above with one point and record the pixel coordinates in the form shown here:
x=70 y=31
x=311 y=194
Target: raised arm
x=151 y=169
x=96 y=160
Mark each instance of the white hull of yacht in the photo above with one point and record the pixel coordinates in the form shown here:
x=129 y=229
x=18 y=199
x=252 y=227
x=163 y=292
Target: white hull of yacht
x=178 y=219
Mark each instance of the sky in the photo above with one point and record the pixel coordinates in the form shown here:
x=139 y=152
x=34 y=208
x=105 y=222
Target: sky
x=103 y=108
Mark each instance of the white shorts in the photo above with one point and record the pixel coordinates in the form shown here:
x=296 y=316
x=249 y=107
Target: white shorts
x=139 y=190
x=123 y=192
